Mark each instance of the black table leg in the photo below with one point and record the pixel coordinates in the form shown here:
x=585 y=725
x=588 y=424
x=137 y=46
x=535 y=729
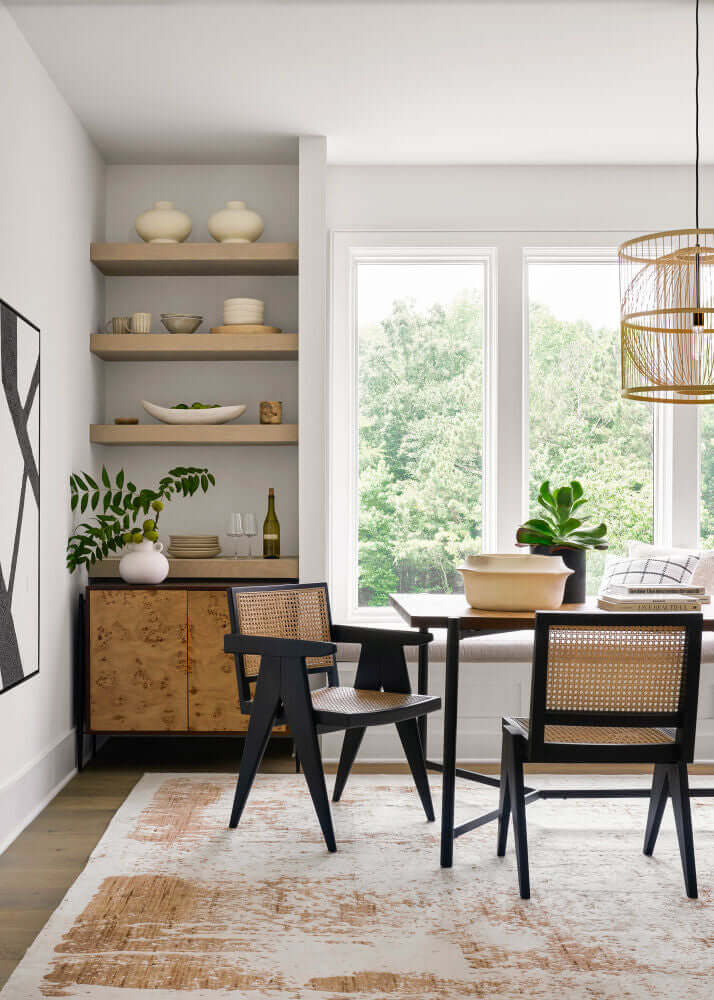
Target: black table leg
x=451 y=706
x=423 y=688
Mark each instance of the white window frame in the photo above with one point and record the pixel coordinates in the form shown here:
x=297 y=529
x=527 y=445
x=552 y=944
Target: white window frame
x=506 y=366
x=349 y=250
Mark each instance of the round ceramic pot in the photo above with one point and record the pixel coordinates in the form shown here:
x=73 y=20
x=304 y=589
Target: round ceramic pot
x=574 y=559
x=144 y=562
x=235 y=224
x=163 y=224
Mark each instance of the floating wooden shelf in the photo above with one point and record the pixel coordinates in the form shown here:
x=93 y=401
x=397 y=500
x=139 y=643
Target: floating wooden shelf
x=194 y=258
x=195 y=346
x=221 y=568
x=167 y=434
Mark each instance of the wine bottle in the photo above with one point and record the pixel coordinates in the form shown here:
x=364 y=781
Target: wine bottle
x=271 y=530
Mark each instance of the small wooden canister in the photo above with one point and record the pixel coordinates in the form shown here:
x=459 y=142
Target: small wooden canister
x=271 y=412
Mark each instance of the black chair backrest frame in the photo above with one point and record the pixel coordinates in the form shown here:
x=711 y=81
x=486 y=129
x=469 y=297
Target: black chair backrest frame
x=683 y=720
x=244 y=679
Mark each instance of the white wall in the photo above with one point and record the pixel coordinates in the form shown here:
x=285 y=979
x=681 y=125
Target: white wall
x=243 y=474
x=51 y=207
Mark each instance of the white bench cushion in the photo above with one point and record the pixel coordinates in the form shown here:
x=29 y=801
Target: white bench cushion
x=504 y=647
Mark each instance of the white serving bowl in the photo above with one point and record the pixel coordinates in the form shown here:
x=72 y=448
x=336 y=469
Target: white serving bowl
x=216 y=415
x=514 y=582
x=243 y=302
x=181 y=322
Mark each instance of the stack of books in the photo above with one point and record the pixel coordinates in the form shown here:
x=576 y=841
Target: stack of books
x=645 y=597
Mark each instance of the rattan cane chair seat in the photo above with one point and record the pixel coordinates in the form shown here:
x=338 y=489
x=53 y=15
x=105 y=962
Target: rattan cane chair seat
x=602 y=735
x=353 y=701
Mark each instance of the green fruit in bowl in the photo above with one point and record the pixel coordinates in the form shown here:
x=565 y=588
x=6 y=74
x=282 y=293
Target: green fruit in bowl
x=196 y=406
x=148 y=525
x=179 y=406
x=153 y=536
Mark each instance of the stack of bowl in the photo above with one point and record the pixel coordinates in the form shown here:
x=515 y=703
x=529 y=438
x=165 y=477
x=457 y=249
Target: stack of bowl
x=193 y=546
x=241 y=312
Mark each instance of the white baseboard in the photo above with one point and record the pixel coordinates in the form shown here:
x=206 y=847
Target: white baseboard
x=26 y=794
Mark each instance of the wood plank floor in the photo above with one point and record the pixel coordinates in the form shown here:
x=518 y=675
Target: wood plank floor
x=40 y=866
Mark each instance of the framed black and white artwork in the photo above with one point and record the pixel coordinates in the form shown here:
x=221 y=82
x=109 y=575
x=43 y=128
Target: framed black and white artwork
x=19 y=498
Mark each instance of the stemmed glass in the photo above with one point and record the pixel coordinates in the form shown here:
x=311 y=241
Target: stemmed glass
x=250 y=530
x=235 y=530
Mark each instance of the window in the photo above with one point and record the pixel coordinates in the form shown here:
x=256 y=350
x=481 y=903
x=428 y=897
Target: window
x=706 y=514
x=579 y=427
x=420 y=437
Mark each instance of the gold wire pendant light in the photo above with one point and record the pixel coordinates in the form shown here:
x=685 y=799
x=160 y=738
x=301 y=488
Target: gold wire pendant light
x=667 y=306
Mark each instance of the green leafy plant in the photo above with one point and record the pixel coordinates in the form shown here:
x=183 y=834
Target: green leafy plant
x=122 y=506
x=557 y=526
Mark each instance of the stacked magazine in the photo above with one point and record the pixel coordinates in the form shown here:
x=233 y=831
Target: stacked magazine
x=648 y=597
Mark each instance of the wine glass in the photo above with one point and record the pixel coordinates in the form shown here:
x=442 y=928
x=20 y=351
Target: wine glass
x=250 y=530
x=235 y=530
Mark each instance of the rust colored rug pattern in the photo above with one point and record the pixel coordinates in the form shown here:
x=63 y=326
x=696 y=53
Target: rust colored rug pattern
x=172 y=904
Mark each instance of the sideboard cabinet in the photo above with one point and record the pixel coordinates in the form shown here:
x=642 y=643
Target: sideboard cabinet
x=154 y=663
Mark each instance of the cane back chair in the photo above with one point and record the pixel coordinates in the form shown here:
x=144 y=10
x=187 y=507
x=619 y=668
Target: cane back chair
x=608 y=689
x=280 y=635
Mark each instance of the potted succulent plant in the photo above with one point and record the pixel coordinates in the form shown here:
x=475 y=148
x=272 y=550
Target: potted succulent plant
x=129 y=517
x=557 y=532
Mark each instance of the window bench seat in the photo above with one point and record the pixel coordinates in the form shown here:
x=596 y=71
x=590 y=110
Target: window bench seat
x=503 y=647
x=494 y=681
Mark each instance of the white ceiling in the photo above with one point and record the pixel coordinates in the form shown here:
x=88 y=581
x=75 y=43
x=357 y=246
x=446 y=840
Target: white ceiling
x=388 y=82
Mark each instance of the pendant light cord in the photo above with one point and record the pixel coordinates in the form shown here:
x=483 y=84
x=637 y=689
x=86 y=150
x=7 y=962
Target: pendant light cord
x=696 y=113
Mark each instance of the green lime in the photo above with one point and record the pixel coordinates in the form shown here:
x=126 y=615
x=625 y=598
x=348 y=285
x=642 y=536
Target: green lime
x=149 y=525
x=137 y=537
x=157 y=505
x=153 y=536
x=196 y=406
x=180 y=406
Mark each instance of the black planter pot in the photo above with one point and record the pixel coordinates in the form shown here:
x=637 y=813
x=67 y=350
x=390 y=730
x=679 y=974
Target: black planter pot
x=574 y=559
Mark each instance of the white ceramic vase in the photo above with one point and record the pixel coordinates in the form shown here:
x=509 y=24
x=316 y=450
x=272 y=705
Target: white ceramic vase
x=163 y=224
x=144 y=562
x=235 y=224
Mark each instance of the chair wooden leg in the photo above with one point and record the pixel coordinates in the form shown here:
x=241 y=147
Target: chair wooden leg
x=658 y=800
x=409 y=735
x=350 y=746
x=504 y=800
x=262 y=718
x=298 y=709
x=518 y=805
x=679 y=790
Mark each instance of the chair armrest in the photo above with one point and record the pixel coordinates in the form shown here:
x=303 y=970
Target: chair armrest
x=381 y=636
x=266 y=645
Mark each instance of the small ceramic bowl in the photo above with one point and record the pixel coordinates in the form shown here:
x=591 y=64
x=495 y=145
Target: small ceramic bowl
x=181 y=322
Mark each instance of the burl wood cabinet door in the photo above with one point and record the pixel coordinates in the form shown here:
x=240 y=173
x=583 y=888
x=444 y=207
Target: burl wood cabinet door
x=213 y=704
x=138 y=660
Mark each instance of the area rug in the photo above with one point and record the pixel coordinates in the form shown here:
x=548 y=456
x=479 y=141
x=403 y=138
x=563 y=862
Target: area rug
x=173 y=904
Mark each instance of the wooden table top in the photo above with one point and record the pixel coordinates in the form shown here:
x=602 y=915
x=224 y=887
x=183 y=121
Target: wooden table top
x=436 y=610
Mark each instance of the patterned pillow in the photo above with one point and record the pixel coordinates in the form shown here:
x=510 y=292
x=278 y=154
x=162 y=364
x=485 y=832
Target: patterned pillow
x=703 y=574
x=653 y=570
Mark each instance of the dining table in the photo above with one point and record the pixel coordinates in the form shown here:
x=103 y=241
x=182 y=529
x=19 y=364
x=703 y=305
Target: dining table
x=451 y=612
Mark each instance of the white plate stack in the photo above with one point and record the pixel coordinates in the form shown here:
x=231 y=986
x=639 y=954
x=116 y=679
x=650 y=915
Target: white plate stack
x=240 y=312
x=193 y=546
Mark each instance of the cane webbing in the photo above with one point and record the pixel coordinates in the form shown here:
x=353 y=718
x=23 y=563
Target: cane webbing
x=628 y=668
x=354 y=701
x=284 y=614
x=603 y=735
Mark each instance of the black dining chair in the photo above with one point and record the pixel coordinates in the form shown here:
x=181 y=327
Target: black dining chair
x=280 y=636
x=608 y=689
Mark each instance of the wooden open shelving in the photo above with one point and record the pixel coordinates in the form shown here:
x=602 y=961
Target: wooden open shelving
x=194 y=258
x=220 y=568
x=170 y=434
x=195 y=346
